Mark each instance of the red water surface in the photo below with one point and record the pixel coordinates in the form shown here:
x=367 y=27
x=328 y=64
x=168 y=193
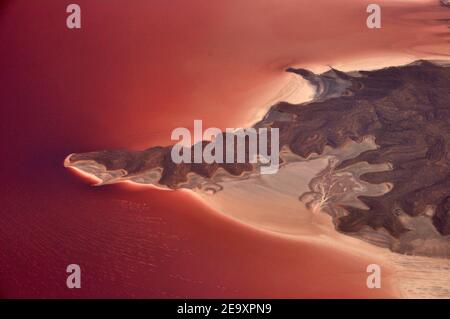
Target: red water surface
x=135 y=71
